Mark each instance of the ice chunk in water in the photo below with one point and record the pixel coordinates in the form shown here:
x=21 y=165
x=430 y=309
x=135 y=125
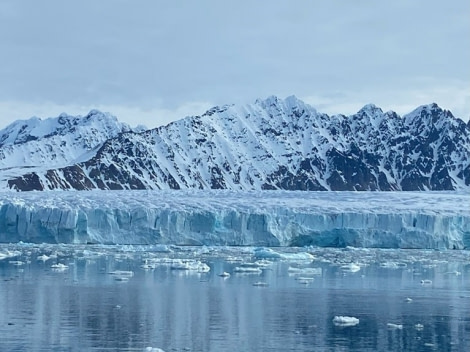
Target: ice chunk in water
x=342 y=320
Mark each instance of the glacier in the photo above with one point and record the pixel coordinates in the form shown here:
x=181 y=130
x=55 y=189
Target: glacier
x=434 y=220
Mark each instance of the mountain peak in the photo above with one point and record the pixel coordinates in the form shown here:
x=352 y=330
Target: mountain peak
x=271 y=144
x=272 y=100
x=293 y=100
x=216 y=109
x=427 y=108
x=429 y=111
x=54 y=141
x=95 y=112
x=371 y=110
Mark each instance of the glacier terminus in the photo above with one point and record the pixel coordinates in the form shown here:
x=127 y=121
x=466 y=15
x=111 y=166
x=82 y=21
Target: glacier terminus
x=434 y=220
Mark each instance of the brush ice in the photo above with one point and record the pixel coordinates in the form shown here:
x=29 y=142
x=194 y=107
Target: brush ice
x=437 y=220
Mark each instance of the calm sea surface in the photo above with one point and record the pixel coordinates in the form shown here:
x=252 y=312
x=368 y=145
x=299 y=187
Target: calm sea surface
x=124 y=298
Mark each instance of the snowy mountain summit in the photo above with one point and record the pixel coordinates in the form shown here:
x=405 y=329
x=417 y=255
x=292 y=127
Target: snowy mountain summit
x=38 y=145
x=271 y=144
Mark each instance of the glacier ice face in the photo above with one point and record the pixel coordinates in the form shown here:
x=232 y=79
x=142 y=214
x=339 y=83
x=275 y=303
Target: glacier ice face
x=265 y=218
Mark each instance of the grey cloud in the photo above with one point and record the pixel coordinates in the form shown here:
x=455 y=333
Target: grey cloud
x=159 y=54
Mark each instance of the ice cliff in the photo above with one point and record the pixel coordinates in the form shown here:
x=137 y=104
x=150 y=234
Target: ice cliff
x=437 y=220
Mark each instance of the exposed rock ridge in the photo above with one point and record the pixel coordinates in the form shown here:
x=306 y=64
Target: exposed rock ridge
x=278 y=144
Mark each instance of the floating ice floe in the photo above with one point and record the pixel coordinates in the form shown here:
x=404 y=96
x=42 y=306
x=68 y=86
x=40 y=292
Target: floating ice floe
x=351 y=268
x=16 y=262
x=263 y=263
x=190 y=265
x=128 y=273
x=341 y=320
x=300 y=278
x=43 y=258
x=304 y=271
x=122 y=275
x=59 y=267
x=121 y=278
x=247 y=270
x=268 y=253
x=393 y=265
x=304 y=280
x=393 y=326
x=260 y=284
x=9 y=254
x=456 y=273
x=298 y=257
x=148 y=266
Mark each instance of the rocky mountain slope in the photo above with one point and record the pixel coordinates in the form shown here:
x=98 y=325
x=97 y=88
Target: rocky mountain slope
x=274 y=144
x=36 y=145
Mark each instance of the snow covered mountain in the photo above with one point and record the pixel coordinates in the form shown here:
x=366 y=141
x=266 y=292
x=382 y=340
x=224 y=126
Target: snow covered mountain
x=37 y=145
x=276 y=144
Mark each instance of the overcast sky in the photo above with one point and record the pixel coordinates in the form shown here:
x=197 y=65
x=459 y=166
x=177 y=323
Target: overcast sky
x=150 y=62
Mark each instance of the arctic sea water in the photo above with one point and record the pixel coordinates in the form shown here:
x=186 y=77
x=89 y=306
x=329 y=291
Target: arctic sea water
x=157 y=297
x=121 y=272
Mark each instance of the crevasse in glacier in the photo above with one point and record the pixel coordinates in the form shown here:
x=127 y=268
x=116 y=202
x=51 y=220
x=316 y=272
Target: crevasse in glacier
x=267 y=218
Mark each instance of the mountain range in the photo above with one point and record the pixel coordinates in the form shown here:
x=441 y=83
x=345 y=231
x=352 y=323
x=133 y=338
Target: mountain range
x=268 y=145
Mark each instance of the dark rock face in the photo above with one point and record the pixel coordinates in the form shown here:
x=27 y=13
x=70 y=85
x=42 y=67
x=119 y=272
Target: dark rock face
x=279 y=144
x=29 y=182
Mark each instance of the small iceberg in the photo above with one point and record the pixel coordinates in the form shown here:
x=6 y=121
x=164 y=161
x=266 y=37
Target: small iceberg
x=304 y=271
x=304 y=280
x=43 y=258
x=350 y=268
x=190 y=265
x=148 y=266
x=224 y=274
x=341 y=320
x=247 y=270
x=121 y=278
x=16 y=262
x=266 y=253
x=260 y=284
x=393 y=265
x=122 y=273
x=298 y=257
x=9 y=254
x=456 y=273
x=392 y=326
x=263 y=263
x=59 y=267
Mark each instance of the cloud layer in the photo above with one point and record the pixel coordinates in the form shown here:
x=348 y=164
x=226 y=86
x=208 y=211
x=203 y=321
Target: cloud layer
x=151 y=60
